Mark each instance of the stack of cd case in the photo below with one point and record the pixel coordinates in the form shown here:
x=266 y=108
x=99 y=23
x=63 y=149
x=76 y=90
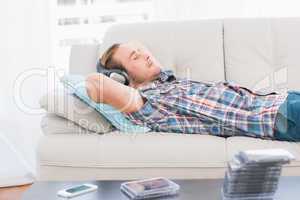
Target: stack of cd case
x=254 y=174
x=150 y=188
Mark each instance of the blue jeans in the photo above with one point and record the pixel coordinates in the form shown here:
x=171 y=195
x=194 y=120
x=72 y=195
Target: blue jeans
x=287 y=123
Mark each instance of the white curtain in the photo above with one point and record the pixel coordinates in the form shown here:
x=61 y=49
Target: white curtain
x=24 y=46
x=203 y=9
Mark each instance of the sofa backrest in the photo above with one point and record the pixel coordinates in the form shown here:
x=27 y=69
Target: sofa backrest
x=191 y=48
x=263 y=54
x=260 y=54
x=83 y=59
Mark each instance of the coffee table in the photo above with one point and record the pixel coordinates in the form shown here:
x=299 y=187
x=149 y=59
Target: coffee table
x=205 y=189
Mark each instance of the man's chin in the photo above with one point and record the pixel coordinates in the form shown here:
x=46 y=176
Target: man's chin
x=155 y=72
x=155 y=67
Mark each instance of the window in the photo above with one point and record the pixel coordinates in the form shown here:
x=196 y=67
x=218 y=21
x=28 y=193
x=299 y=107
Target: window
x=86 y=21
x=66 y=2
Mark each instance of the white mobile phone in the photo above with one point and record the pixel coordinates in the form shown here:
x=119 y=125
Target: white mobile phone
x=77 y=190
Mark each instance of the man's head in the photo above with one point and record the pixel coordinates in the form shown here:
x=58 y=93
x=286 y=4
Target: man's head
x=135 y=59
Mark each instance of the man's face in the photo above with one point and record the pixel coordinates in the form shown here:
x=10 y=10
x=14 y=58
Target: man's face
x=139 y=63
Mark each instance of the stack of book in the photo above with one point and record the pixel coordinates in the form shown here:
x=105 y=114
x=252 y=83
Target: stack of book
x=254 y=174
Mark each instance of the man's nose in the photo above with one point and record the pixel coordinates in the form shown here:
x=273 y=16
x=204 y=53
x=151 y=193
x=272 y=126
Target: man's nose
x=145 y=55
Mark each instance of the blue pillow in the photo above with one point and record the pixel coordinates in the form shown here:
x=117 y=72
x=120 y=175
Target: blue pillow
x=76 y=85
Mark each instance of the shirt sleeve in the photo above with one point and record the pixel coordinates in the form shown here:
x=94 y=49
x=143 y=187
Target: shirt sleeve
x=144 y=113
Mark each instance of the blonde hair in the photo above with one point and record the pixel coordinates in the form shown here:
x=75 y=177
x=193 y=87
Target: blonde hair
x=107 y=59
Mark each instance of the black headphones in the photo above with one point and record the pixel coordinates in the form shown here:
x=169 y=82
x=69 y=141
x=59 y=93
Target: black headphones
x=116 y=74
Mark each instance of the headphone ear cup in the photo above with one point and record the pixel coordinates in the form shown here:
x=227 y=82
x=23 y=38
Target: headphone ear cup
x=110 y=73
x=126 y=77
x=121 y=73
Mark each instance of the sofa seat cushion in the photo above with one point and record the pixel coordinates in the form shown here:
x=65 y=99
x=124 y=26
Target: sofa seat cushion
x=236 y=144
x=121 y=150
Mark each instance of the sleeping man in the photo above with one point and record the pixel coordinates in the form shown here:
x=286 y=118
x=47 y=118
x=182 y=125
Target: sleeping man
x=163 y=102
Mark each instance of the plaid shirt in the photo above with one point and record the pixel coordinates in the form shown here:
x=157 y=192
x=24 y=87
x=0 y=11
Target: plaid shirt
x=222 y=109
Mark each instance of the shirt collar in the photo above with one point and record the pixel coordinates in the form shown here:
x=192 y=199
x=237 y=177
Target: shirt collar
x=166 y=75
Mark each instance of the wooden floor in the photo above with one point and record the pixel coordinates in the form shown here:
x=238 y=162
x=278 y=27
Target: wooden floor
x=13 y=193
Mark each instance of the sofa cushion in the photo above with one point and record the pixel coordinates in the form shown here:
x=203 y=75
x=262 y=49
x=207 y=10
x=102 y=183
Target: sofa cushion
x=83 y=59
x=236 y=144
x=119 y=150
x=287 y=31
x=76 y=85
x=262 y=54
x=52 y=124
x=66 y=105
x=191 y=48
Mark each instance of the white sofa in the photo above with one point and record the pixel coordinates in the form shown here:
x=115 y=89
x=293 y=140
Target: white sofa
x=251 y=52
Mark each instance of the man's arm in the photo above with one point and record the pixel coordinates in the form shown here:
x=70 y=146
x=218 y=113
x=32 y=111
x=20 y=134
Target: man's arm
x=102 y=89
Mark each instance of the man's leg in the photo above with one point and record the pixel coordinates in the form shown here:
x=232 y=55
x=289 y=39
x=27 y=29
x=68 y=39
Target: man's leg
x=287 y=125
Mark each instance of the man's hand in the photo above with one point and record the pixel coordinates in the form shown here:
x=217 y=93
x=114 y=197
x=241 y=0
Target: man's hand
x=102 y=89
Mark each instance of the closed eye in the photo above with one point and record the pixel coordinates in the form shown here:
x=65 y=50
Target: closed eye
x=134 y=55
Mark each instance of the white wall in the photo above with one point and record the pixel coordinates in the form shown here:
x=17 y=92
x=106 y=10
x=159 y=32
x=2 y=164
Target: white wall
x=24 y=44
